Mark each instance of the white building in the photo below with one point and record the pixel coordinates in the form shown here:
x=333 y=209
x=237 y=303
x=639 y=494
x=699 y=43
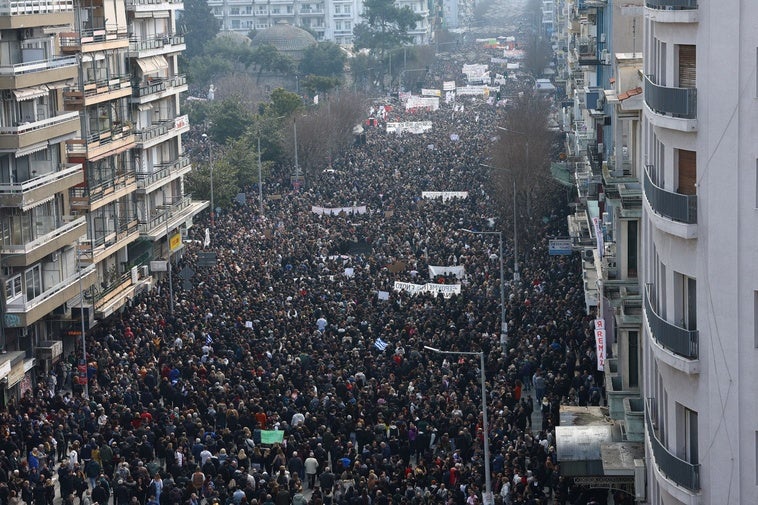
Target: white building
x=331 y=20
x=699 y=244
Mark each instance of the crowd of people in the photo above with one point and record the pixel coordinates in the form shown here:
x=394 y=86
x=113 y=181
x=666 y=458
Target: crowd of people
x=298 y=328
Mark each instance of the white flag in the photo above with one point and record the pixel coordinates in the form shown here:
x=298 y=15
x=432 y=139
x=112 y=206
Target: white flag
x=207 y=240
x=315 y=99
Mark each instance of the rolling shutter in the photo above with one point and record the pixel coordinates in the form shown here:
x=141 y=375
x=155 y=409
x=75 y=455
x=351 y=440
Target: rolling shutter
x=687 y=172
x=687 y=66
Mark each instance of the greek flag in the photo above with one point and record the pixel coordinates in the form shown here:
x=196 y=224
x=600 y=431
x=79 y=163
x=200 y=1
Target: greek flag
x=208 y=339
x=380 y=344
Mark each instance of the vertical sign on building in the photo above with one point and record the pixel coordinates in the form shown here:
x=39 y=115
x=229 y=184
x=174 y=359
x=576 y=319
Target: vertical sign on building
x=600 y=343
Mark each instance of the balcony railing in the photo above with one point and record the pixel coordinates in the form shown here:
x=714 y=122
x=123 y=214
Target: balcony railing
x=158 y=85
x=21 y=7
x=154 y=131
x=72 y=41
x=64 y=170
x=672 y=4
x=674 y=206
x=164 y=212
x=678 y=340
x=676 y=102
x=137 y=3
x=22 y=305
x=162 y=171
x=682 y=472
x=147 y=44
x=38 y=66
x=38 y=125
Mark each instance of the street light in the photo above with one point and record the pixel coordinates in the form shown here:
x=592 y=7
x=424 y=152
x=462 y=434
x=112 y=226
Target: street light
x=297 y=166
x=488 y=499
x=503 y=321
x=81 y=314
x=516 y=274
x=210 y=163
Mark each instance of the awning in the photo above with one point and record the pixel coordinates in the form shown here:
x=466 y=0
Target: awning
x=61 y=84
x=145 y=106
x=160 y=14
x=30 y=93
x=31 y=149
x=152 y=64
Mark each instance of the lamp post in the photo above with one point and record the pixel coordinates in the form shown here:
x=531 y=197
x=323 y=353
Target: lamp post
x=260 y=170
x=210 y=164
x=503 y=320
x=170 y=270
x=488 y=499
x=516 y=274
x=81 y=316
x=297 y=165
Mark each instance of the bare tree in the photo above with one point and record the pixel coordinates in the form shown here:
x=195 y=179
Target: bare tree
x=326 y=130
x=523 y=154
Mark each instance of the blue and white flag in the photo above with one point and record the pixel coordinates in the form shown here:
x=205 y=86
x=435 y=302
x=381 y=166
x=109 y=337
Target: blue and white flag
x=380 y=344
x=208 y=339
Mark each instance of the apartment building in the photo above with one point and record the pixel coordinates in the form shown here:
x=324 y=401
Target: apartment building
x=701 y=288
x=91 y=168
x=38 y=253
x=331 y=20
x=600 y=65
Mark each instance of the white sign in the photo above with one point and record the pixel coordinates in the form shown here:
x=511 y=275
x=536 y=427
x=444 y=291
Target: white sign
x=430 y=92
x=409 y=126
x=422 y=102
x=158 y=266
x=448 y=86
x=445 y=195
x=333 y=211
x=600 y=349
x=598 y=236
x=456 y=271
x=473 y=91
x=447 y=290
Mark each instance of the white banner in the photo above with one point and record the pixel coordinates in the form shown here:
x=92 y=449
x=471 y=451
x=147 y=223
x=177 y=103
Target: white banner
x=476 y=73
x=447 y=290
x=457 y=271
x=333 y=211
x=421 y=102
x=600 y=349
x=409 y=126
x=445 y=195
x=598 y=236
x=430 y=92
x=473 y=91
x=448 y=85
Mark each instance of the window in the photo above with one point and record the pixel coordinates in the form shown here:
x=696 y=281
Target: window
x=337 y=9
x=13 y=288
x=633 y=362
x=687 y=436
x=631 y=249
x=33 y=280
x=755 y=318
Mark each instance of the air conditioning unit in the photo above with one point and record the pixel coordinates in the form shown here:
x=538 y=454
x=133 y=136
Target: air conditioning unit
x=602 y=37
x=54 y=257
x=605 y=57
x=144 y=271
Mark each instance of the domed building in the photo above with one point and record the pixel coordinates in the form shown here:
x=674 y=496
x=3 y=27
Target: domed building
x=287 y=39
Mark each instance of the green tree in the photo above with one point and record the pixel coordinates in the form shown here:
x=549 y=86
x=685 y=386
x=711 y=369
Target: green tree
x=284 y=103
x=225 y=178
x=385 y=28
x=198 y=22
x=323 y=59
x=229 y=119
x=268 y=59
x=316 y=84
x=202 y=70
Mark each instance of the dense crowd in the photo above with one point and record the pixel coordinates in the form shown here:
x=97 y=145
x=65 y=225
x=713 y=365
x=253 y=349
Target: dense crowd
x=281 y=333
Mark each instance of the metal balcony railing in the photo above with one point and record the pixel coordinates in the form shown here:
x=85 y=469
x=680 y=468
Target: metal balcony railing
x=37 y=66
x=162 y=171
x=676 y=339
x=164 y=212
x=672 y=4
x=146 y=44
x=676 y=102
x=135 y=3
x=34 y=125
x=18 y=8
x=674 y=206
x=682 y=472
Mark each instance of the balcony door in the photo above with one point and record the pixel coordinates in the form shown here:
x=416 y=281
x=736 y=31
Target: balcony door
x=687 y=170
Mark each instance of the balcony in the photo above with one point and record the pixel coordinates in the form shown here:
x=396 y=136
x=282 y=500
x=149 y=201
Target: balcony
x=634 y=419
x=90 y=198
x=676 y=346
x=672 y=11
x=158 y=88
x=108 y=243
x=679 y=471
x=153 y=5
x=154 y=46
x=34 y=13
x=101 y=144
x=64 y=234
x=116 y=294
x=21 y=313
x=170 y=217
x=36 y=73
x=94 y=92
x=672 y=212
x=89 y=40
x=674 y=108
x=25 y=195
x=586 y=50
x=162 y=173
x=35 y=132
x=162 y=130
